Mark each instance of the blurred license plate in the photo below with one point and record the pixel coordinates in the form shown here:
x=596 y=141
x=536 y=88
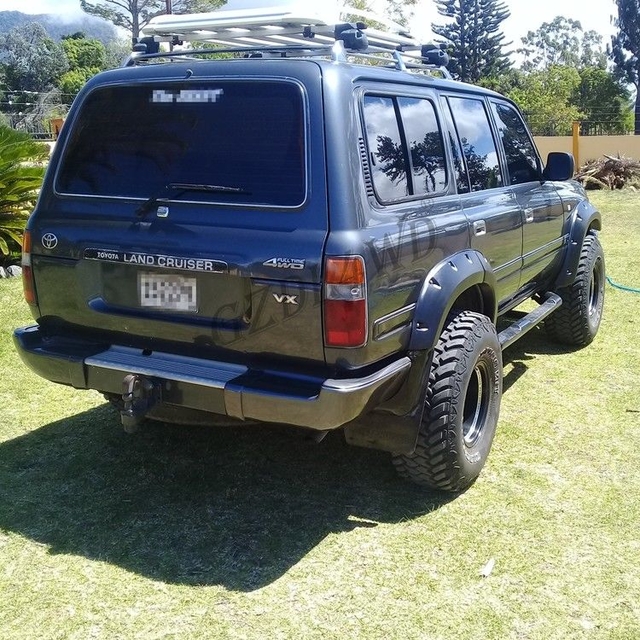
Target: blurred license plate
x=167 y=291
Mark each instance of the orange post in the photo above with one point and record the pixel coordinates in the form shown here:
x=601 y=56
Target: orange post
x=576 y=143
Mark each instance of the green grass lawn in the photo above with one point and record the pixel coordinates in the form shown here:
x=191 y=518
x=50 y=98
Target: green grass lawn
x=185 y=532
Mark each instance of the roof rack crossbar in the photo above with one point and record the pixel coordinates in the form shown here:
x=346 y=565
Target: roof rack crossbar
x=336 y=52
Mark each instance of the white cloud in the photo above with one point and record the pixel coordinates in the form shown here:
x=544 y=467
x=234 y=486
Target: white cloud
x=61 y=8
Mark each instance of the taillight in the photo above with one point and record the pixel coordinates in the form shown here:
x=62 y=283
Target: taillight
x=27 y=273
x=345 y=302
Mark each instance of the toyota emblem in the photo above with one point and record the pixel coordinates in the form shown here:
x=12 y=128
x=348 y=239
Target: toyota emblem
x=49 y=241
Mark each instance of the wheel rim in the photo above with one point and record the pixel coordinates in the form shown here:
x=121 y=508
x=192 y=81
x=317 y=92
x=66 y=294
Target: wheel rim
x=476 y=403
x=595 y=285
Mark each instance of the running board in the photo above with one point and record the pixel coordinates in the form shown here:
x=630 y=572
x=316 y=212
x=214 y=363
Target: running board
x=516 y=330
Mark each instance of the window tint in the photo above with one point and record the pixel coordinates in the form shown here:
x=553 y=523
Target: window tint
x=405 y=146
x=428 y=167
x=522 y=160
x=459 y=167
x=478 y=144
x=388 y=160
x=132 y=141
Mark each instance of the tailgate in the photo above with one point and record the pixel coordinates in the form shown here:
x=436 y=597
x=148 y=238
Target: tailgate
x=191 y=212
x=236 y=294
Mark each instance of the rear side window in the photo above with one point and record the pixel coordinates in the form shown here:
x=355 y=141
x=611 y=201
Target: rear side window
x=459 y=167
x=388 y=155
x=478 y=145
x=522 y=159
x=246 y=137
x=405 y=147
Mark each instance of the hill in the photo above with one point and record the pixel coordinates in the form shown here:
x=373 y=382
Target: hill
x=91 y=26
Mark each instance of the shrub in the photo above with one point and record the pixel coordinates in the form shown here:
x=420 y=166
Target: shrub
x=22 y=163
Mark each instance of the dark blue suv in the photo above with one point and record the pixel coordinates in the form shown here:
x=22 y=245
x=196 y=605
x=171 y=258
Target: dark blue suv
x=287 y=235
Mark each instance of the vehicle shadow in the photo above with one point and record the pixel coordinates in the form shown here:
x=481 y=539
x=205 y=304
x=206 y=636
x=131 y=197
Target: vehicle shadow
x=534 y=343
x=230 y=506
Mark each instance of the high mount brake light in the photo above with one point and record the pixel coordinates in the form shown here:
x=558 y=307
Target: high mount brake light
x=345 y=302
x=27 y=272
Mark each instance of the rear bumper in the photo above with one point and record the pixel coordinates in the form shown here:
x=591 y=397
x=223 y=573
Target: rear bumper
x=216 y=387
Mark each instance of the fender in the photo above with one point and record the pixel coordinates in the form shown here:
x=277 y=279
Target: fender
x=444 y=284
x=584 y=219
x=394 y=425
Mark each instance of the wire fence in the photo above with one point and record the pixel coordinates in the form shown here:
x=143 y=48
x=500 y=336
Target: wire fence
x=37 y=113
x=604 y=122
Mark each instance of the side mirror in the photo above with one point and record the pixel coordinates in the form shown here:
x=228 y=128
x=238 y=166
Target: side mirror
x=560 y=166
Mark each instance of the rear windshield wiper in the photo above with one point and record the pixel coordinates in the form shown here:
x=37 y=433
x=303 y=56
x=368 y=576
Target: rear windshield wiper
x=210 y=188
x=182 y=187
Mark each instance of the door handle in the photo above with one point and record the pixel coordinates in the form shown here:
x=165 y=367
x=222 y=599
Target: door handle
x=528 y=215
x=479 y=228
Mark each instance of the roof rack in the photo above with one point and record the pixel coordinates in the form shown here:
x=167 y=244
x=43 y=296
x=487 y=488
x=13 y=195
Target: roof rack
x=293 y=30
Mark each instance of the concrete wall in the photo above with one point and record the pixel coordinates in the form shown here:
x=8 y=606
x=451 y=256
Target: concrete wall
x=590 y=147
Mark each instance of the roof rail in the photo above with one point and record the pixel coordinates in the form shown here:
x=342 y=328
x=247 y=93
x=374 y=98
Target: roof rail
x=286 y=31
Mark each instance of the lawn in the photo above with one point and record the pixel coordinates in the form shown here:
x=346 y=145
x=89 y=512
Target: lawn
x=185 y=532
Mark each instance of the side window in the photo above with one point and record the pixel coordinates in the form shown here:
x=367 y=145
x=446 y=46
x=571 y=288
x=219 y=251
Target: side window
x=388 y=160
x=522 y=160
x=405 y=147
x=428 y=165
x=478 y=145
x=462 y=178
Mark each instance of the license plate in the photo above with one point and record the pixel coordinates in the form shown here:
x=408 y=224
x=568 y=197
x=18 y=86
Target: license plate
x=167 y=291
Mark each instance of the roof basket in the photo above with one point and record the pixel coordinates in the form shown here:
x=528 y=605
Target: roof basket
x=286 y=31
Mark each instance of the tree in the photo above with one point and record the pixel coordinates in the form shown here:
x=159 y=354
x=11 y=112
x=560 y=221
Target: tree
x=546 y=98
x=31 y=64
x=132 y=15
x=21 y=171
x=604 y=102
x=562 y=42
x=475 y=40
x=396 y=10
x=599 y=98
x=625 y=48
x=86 y=58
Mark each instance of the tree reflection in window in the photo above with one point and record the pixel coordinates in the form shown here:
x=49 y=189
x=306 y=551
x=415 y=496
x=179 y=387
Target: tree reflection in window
x=522 y=159
x=424 y=140
x=407 y=155
x=478 y=145
x=427 y=161
x=483 y=174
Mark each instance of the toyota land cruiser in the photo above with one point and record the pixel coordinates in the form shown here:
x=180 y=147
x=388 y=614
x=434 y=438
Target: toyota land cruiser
x=314 y=228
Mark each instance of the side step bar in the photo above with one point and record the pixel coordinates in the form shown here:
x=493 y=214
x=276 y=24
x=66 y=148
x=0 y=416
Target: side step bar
x=516 y=330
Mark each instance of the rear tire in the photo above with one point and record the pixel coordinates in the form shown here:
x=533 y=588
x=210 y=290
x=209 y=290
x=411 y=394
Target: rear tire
x=462 y=407
x=577 y=321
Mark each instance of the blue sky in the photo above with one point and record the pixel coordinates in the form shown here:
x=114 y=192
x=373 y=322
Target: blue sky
x=524 y=15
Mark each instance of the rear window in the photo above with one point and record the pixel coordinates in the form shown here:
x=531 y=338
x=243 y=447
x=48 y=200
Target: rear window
x=247 y=138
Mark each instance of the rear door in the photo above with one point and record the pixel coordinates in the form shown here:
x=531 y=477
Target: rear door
x=542 y=209
x=189 y=213
x=490 y=205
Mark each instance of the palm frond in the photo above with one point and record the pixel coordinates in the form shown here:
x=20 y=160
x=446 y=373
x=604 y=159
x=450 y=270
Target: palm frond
x=22 y=166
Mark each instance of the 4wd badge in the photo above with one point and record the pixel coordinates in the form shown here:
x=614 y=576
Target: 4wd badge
x=284 y=263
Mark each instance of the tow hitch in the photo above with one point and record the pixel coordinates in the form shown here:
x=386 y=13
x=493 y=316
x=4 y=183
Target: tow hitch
x=139 y=395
